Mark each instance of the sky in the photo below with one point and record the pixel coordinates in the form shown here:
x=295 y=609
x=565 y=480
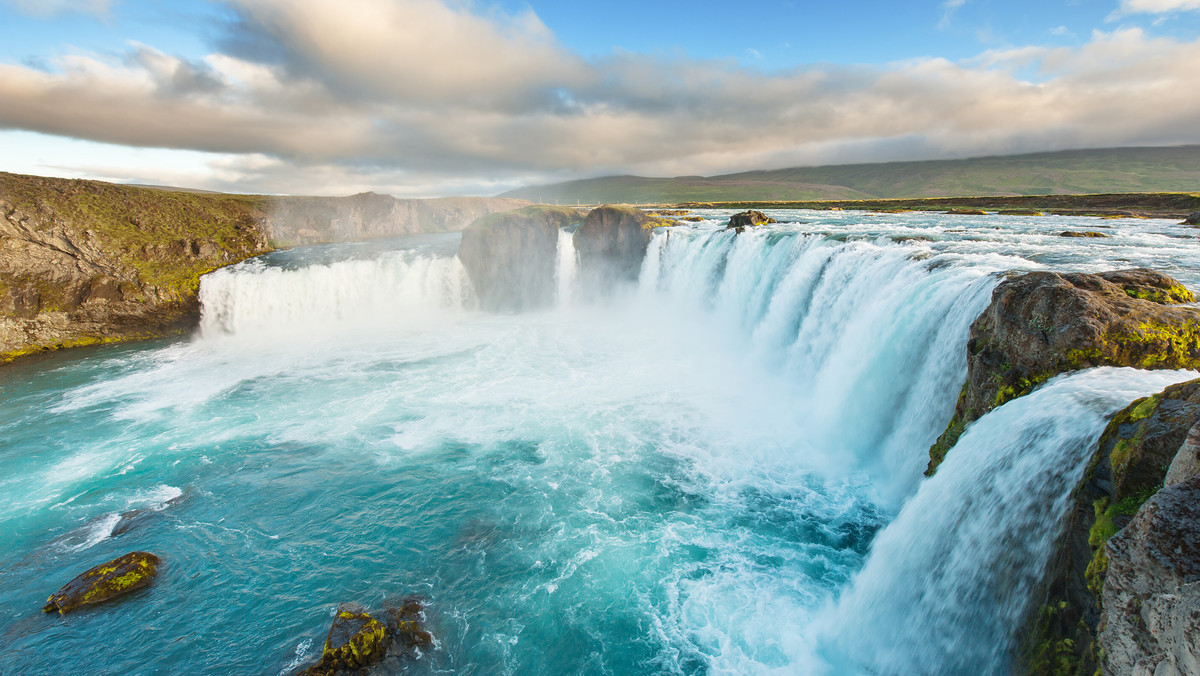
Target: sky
x=421 y=98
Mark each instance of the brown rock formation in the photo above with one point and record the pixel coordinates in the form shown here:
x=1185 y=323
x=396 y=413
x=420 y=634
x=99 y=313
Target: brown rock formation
x=1040 y=324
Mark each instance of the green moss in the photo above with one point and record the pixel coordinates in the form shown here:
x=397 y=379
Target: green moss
x=1163 y=345
x=1172 y=295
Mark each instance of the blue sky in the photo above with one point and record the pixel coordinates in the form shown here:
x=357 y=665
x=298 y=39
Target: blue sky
x=428 y=97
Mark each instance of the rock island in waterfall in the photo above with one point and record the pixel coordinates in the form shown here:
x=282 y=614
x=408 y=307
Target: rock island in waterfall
x=390 y=337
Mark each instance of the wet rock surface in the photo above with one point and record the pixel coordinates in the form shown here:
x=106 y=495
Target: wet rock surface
x=105 y=582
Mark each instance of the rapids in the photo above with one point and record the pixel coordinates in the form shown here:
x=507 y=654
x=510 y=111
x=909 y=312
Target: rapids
x=716 y=470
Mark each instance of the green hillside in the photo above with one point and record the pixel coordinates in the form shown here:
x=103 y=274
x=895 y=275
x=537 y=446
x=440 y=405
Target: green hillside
x=1112 y=170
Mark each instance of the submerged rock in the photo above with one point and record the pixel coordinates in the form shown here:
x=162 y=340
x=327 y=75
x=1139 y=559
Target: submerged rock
x=1086 y=233
x=1040 y=324
x=510 y=257
x=1152 y=590
x=105 y=582
x=612 y=244
x=748 y=218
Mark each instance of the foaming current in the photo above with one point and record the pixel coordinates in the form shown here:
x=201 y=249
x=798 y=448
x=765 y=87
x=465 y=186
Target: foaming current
x=717 y=471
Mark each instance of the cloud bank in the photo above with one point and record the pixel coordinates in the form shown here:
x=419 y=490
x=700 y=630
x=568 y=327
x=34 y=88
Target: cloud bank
x=425 y=96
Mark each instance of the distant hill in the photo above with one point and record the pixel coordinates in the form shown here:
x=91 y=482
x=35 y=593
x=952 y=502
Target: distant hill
x=1071 y=172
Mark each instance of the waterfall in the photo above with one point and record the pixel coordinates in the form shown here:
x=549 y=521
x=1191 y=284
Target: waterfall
x=873 y=334
x=566 y=269
x=947 y=582
x=251 y=297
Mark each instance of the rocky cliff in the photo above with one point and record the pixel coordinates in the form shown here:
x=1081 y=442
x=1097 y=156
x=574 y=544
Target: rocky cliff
x=1040 y=324
x=85 y=262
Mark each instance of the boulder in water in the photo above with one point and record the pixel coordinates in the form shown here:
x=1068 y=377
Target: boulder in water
x=1193 y=219
x=1040 y=324
x=1086 y=233
x=748 y=218
x=105 y=582
x=355 y=641
x=358 y=641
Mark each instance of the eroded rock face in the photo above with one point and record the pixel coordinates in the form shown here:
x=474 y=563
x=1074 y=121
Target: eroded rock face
x=105 y=582
x=612 y=245
x=1151 y=622
x=1040 y=324
x=510 y=257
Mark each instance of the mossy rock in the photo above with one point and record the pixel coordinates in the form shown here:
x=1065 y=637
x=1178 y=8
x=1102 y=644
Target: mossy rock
x=1041 y=324
x=1127 y=468
x=1086 y=233
x=105 y=582
x=355 y=641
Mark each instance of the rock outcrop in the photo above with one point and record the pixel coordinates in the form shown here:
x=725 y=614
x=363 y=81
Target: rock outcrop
x=84 y=262
x=510 y=257
x=1151 y=618
x=1129 y=463
x=1193 y=219
x=105 y=582
x=612 y=244
x=1040 y=324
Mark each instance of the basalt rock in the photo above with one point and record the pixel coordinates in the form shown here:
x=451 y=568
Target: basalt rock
x=105 y=582
x=1127 y=466
x=1151 y=618
x=612 y=244
x=1040 y=324
x=511 y=257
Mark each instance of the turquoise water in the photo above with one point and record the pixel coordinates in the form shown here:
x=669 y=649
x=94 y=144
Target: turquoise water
x=686 y=478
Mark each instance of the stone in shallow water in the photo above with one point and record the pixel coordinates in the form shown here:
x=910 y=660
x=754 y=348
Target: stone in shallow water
x=104 y=582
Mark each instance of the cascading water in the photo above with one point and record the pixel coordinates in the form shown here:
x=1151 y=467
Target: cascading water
x=566 y=270
x=719 y=473
x=949 y=604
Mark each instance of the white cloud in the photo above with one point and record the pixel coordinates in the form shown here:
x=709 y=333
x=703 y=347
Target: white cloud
x=949 y=7
x=47 y=8
x=1157 y=6
x=421 y=97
